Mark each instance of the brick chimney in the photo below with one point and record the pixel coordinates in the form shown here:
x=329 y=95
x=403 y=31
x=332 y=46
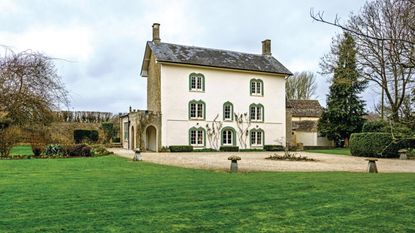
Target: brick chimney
x=156 y=33
x=266 y=47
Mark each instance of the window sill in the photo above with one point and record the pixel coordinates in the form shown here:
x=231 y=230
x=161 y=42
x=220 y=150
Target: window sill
x=196 y=119
x=257 y=95
x=228 y=120
x=197 y=91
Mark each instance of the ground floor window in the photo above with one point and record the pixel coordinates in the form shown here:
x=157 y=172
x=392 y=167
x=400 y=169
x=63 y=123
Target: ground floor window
x=257 y=137
x=228 y=136
x=197 y=137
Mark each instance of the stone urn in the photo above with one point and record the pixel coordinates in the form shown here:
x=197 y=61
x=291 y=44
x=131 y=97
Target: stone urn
x=234 y=163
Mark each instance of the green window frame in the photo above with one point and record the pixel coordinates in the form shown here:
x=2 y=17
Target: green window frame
x=228 y=136
x=256 y=113
x=256 y=87
x=256 y=137
x=196 y=82
x=197 y=137
x=227 y=105
x=197 y=110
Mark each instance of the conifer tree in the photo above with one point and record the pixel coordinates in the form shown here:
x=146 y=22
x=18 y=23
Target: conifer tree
x=343 y=115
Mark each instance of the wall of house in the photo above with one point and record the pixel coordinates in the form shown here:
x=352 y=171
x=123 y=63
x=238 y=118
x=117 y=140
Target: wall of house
x=306 y=138
x=153 y=86
x=220 y=86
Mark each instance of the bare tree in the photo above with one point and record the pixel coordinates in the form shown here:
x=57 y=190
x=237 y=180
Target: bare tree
x=30 y=88
x=243 y=123
x=213 y=132
x=385 y=37
x=301 y=86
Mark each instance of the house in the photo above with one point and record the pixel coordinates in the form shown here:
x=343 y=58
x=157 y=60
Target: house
x=304 y=116
x=207 y=98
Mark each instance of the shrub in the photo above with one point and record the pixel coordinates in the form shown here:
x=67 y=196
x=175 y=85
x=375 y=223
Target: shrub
x=53 y=150
x=100 y=150
x=375 y=126
x=108 y=128
x=37 y=149
x=273 y=148
x=7 y=140
x=229 y=148
x=116 y=140
x=251 y=150
x=81 y=150
x=205 y=150
x=181 y=148
x=82 y=135
x=377 y=145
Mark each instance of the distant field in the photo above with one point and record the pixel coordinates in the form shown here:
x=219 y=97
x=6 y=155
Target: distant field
x=112 y=194
x=336 y=151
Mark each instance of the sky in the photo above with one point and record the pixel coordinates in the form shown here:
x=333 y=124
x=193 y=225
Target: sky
x=100 y=44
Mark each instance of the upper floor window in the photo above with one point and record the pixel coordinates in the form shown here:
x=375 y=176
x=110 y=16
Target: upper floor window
x=197 y=110
x=256 y=87
x=257 y=137
x=197 y=136
x=256 y=112
x=228 y=111
x=196 y=82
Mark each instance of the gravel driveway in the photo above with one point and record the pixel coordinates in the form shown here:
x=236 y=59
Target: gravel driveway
x=255 y=161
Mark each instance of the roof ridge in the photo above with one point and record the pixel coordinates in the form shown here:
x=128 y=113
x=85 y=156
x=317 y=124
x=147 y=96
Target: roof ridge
x=225 y=50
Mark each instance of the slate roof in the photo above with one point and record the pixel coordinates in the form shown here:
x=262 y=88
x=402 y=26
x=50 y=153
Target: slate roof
x=182 y=54
x=305 y=108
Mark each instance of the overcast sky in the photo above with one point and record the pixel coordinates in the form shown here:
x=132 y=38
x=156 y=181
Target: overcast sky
x=103 y=41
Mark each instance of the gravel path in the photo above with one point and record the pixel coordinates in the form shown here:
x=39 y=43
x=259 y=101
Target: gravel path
x=255 y=161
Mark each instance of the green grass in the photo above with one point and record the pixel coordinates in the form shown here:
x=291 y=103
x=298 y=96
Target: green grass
x=21 y=150
x=111 y=194
x=335 y=151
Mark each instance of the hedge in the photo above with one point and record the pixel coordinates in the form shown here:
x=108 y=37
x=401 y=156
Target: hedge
x=273 y=148
x=181 y=148
x=229 y=148
x=379 y=145
x=80 y=135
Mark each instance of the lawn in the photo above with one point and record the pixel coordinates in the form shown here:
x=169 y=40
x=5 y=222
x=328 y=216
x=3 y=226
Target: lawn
x=335 y=151
x=21 y=150
x=112 y=194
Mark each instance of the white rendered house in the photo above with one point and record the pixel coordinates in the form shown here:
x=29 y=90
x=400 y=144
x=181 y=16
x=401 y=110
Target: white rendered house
x=190 y=88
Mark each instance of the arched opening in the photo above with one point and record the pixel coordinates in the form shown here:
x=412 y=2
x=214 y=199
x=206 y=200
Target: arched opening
x=132 y=143
x=151 y=138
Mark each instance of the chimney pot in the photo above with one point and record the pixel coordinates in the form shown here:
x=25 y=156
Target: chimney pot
x=156 y=33
x=266 y=47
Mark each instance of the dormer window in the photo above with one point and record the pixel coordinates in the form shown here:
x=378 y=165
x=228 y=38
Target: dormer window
x=196 y=82
x=256 y=87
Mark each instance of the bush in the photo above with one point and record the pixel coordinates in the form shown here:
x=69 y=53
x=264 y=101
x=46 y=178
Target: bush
x=375 y=126
x=273 y=148
x=37 y=149
x=7 y=140
x=205 y=150
x=251 y=150
x=229 y=148
x=100 y=150
x=108 y=128
x=181 y=148
x=53 y=150
x=116 y=140
x=379 y=145
x=80 y=150
x=82 y=135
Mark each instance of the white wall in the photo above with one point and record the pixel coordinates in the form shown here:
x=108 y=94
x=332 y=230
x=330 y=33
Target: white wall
x=307 y=138
x=220 y=86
